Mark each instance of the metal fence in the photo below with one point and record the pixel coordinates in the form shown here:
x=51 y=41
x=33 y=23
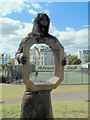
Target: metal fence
x=75 y=78
x=75 y=75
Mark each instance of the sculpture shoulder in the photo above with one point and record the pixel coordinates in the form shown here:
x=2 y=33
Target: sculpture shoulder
x=25 y=39
x=52 y=37
x=53 y=40
x=28 y=36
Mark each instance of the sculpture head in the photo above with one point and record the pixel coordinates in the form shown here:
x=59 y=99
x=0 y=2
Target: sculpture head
x=41 y=23
x=40 y=35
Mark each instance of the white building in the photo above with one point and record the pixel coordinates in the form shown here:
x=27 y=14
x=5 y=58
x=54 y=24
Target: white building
x=42 y=56
x=83 y=55
x=34 y=56
x=46 y=56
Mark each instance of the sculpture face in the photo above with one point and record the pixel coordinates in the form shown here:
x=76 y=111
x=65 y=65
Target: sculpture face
x=44 y=20
x=41 y=24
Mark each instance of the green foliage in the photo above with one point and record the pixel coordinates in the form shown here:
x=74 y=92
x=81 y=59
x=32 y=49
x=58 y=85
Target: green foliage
x=3 y=66
x=10 y=62
x=88 y=59
x=31 y=63
x=73 y=60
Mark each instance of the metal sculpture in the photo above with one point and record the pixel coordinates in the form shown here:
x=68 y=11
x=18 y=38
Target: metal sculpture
x=37 y=100
x=40 y=35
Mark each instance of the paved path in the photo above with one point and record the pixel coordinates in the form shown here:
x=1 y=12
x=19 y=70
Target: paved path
x=67 y=96
x=70 y=96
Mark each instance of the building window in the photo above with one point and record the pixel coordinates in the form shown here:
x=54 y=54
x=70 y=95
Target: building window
x=34 y=58
x=45 y=63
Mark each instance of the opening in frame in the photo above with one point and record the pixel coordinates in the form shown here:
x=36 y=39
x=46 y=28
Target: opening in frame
x=53 y=82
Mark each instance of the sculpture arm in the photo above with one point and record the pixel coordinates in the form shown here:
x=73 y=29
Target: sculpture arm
x=19 y=54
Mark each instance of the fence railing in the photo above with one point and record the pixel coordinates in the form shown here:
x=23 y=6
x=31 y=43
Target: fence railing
x=73 y=74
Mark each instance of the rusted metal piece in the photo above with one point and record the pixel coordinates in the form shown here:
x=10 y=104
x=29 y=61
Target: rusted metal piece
x=36 y=106
x=58 y=51
x=40 y=35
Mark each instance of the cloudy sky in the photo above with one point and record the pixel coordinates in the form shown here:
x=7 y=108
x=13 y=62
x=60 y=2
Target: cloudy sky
x=68 y=22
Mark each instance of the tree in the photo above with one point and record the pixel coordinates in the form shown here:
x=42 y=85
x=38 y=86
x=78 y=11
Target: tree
x=73 y=60
x=88 y=59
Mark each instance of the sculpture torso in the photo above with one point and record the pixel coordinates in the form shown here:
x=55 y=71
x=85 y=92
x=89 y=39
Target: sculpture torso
x=40 y=38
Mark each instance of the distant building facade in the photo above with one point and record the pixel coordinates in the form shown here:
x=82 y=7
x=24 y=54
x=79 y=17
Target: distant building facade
x=83 y=55
x=33 y=56
x=16 y=62
x=4 y=58
x=42 y=56
x=0 y=58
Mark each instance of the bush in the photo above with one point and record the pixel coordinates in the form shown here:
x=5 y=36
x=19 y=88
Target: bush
x=73 y=60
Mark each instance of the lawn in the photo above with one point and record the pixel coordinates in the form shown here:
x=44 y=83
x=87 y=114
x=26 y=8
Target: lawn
x=9 y=93
x=60 y=110
x=62 y=89
x=70 y=109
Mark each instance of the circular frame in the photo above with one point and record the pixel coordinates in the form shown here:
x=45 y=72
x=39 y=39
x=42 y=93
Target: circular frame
x=58 y=51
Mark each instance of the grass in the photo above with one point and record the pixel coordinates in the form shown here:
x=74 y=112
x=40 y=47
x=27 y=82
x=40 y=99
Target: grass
x=60 y=110
x=63 y=89
x=9 y=93
x=11 y=110
x=70 y=109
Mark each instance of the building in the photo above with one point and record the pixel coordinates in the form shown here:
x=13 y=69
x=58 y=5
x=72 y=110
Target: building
x=42 y=56
x=33 y=56
x=4 y=58
x=0 y=59
x=66 y=56
x=16 y=62
x=46 y=56
x=83 y=55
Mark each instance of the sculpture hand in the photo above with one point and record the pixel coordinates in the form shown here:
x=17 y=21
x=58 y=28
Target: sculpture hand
x=22 y=59
x=64 y=62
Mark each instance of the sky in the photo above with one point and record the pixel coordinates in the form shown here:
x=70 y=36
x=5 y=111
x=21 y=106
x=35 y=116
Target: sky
x=68 y=22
